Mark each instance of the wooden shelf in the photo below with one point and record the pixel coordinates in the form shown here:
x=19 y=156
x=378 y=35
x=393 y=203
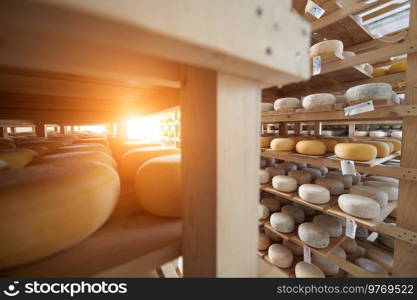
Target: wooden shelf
x=371 y=163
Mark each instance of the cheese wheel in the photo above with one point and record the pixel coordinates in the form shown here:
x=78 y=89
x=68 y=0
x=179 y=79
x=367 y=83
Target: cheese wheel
x=347 y=54
x=84 y=147
x=381 y=257
x=396 y=144
x=371 y=267
x=65 y=140
x=265 y=141
x=374 y=193
x=360 y=133
x=294 y=211
x=263 y=242
x=349 y=245
x=280 y=256
x=164 y=198
x=389 y=180
x=301 y=176
x=386 y=240
x=102 y=141
x=263 y=211
x=335 y=186
x=358 y=252
x=306 y=270
x=379 y=72
x=369 y=91
x=301 y=165
x=295 y=249
x=282 y=222
x=45 y=209
x=397 y=134
x=325 y=265
x=322 y=169
x=272 y=235
x=286 y=103
x=272 y=203
x=266 y=106
x=391 y=190
x=330 y=144
x=355 y=151
x=310 y=147
x=313 y=235
x=284 y=183
x=3 y=165
x=270 y=162
x=318 y=100
x=315 y=173
x=340 y=252
x=76 y=157
x=314 y=193
x=330 y=224
x=287 y=166
x=17 y=157
x=347 y=180
x=132 y=160
x=359 y=206
x=282 y=144
x=327 y=48
x=382 y=148
x=263 y=176
x=274 y=171
x=399 y=66
x=40 y=150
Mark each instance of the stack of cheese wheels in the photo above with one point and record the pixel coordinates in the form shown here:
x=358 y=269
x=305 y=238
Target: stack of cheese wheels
x=263 y=242
x=164 y=198
x=134 y=159
x=355 y=151
x=314 y=193
x=295 y=249
x=369 y=91
x=330 y=144
x=280 y=256
x=372 y=192
x=294 y=211
x=17 y=157
x=395 y=143
x=330 y=224
x=52 y=146
x=48 y=208
x=382 y=148
x=324 y=170
x=284 y=183
x=312 y=147
x=263 y=211
x=301 y=176
x=347 y=180
x=327 y=49
x=274 y=171
x=372 y=267
x=318 y=100
x=272 y=203
x=282 y=222
x=390 y=188
x=359 y=206
x=76 y=157
x=265 y=141
x=266 y=106
x=282 y=144
x=93 y=140
x=307 y=270
x=399 y=66
x=84 y=147
x=286 y=103
x=335 y=186
x=313 y=235
x=287 y=166
x=390 y=180
x=381 y=257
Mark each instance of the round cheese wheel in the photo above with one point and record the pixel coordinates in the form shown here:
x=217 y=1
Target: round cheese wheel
x=280 y=256
x=3 y=165
x=397 y=134
x=84 y=147
x=340 y=252
x=322 y=169
x=295 y=249
x=40 y=150
x=17 y=157
x=379 y=72
x=391 y=190
x=359 y=206
x=282 y=144
x=349 y=245
x=162 y=199
x=313 y=235
x=265 y=141
x=263 y=242
x=294 y=211
x=382 y=148
x=50 y=145
x=369 y=91
x=399 y=66
x=308 y=211
x=287 y=166
x=371 y=267
x=330 y=224
x=345 y=179
x=328 y=268
x=301 y=176
x=310 y=147
x=389 y=180
x=301 y=165
x=45 y=209
x=372 y=192
x=76 y=157
x=272 y=235
x=272 y=203
x=358 y=252
x=306 y=270
x=314 y=172
x=134 y=159
x=266 y=106
x=326 y=48
x=263 y=211
x=347 y=54
x=335 y=186
x=381 y=257
x=360 y=133
x=102 y=141
x=314 y=193
x=330 y=144
x=386 y=240
x=284 y=183
x=355 y=151
x=286 y=103
x=65 y=140
x=318 y=100
x=274 y=171
x=282 y=222
x=396 y=144
x=263 y=176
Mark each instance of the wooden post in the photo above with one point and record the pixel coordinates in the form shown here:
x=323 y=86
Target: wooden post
x=220 y=161
x=317 y=128
x=62 y=129
x=297 y=128
x=283 y=129
x=352 y=129
x=121 y=131
x=41 y=130
x=405 y=258
x=3 y=132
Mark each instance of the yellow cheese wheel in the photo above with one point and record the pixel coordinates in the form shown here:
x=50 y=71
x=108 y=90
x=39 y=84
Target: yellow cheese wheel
x=330 y=144
x=265 y=141
x=65 y=140
x=158 y=186
x=379 y=72
x=102 y=141
x=50 y=145
x=311 y=147
x=382 y=148
x=399 y=66
x=84 y=147
x=134 y=159
x=282 y=144
x=396 y=144
x=45 y=209
x=76 y=157
x=355 y=151
x=17 y=157
x=6 y=143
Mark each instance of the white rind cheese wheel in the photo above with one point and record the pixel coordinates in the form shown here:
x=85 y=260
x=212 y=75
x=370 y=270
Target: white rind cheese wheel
x=313 y=235
x=330 y=224
x=17 y=157
x=381 y=257
x=355 y=151
x=311 y=147
x=295 y=211
x=295 y=249
x=372 y=192
x=301 y=176
x=274 y=171
x=263 y=242
x=272 y=203
x=280 y=256
x=369 y=91
x=377 y=134
x=397 y=134
x=45 y=209
x=266 y=106
x=284 y=183
x=391 y=190
x=306 y=270
x=76 y=157
x=359 y=206
x=314 y=193
x=371 y=267
x=315 y=173
x=282 y=144
x=282 y=222
x=328 y=268
x=345 y=179
x=263 y=176
x=339 y=251
x=335 y=186
x=327 y=48
x=318 y=100
x=263 y=211
x=360 y=133
x=389 y=180
x=286 y=103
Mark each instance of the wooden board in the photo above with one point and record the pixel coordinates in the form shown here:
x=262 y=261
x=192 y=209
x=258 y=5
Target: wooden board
x=288 y=272
x=371 y=163
x=322 y=108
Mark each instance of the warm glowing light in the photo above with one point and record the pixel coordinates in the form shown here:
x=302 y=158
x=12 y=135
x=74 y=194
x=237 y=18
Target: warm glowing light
x=93 y=128
x=145 y=129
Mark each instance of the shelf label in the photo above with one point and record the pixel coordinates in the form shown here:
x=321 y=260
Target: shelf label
x=348 y=167
x=350 y=228
x=307 y=254
x=372 y=237
x=359 y=108
x=314 y=9
x=316 y=65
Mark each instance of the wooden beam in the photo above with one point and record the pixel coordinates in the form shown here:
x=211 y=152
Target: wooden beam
x=3 y=132
x=41 y=130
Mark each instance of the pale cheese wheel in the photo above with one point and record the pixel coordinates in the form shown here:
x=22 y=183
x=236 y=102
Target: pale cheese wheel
x=371 y=267
x=386 y=240
x=335 y=186
x=359 y=206
x=340 y=252
x=294 y=211
x=48 y=208
x=76 y=157
x=265 y=141
x=287 y=166
x=397 y=134
x=17 y=157
x=355 y=151
x=266 y=106
x=369 y=91
x=314 y=193
x=327 y=48
x=272 y=203
x=286 y=103
x=374 y=193
x=347 y=180
x=330 y=144
x=295 y=249
x=282 y=144
x=360 y=133
x=349 y=245
x=382 y=148
x=284 y=183
x=306 y=270
x=280 y=256
x=282 y=222
x=311 y=147
x=301 y=176
x=389 y=180
x=263 y=211
x=325 y=265
x=263 y=176
x=315 y=173
x=301 y=165
x=313 y=235
x=274 y=171
x=330 y=224
x=391 y=190
x=324 y=170
x=318 y=100
x=263 y=242
x=272 y=235
x=83 y=147
x=381 y=257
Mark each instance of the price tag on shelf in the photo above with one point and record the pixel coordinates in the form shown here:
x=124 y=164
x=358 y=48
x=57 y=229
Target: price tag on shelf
x=307 y=254
x=314 y=9
x=372 y=237
x=348 y=167
x=350 y=228
x=316 y=65
x=359 y=108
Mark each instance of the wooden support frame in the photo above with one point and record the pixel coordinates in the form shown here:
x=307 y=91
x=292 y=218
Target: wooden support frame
x=41 y=130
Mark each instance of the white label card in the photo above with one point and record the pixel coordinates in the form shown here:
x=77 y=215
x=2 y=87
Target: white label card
x=359 y=108
x=307 y=254
x=372 y=237
x=350 y=228
x=316 y=65
x=315 y=10
x=348 y=167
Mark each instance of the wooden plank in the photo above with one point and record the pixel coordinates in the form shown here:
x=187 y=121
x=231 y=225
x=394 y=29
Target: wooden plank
x=372 y=163
x=266 y=270
x=41 y=130
x=3 y=132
